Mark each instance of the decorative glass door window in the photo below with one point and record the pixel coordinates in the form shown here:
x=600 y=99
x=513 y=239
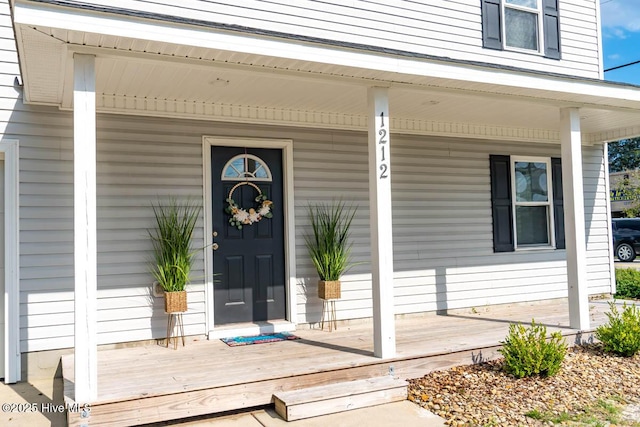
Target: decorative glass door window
x=532 y=196
x=246 y=167
x=522 y=24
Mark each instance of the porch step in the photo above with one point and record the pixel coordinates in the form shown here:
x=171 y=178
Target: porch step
x=339 y=397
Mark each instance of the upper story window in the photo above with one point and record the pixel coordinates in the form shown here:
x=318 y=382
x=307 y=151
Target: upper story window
x=246 y=167
x=522 y=25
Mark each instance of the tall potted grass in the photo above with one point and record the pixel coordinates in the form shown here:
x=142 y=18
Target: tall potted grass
x=328 y=245
x=172 y=254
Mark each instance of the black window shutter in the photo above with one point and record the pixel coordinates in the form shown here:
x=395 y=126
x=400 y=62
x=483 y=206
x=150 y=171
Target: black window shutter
x=551 y=28
x=558 y=201
x=491 y=24
x=500 y=167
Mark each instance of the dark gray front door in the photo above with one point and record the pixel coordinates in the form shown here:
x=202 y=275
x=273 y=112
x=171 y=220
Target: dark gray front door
x=248 y=264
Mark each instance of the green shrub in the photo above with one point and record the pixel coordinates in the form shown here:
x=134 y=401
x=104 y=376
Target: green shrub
x=528 y=351
x=622 y=334
x=627 y=283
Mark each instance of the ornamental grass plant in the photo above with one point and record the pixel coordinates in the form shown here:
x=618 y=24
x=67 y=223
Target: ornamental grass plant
x=172 y=254
x=328 y=243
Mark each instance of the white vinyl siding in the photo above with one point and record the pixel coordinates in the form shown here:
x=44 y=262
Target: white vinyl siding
x=441 y=214
x=597 y=224
x=444 y=28
x=442 y=226
x=134 y=170
x=463 y=265
x=453 y=247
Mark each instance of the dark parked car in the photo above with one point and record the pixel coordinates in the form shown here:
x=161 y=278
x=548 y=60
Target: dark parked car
x=626 y=238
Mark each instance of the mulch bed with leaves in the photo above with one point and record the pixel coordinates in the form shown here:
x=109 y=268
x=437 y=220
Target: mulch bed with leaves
x=592 y=388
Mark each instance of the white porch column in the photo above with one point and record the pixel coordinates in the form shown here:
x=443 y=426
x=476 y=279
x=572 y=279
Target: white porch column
x=84 y=225
x=571 y=141
x=384 y=332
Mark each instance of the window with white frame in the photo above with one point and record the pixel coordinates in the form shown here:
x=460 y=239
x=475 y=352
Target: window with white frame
x=528 y=26
x=532 y=202
x=522 y=22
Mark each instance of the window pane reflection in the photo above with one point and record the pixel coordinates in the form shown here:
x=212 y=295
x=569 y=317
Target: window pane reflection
x=532 y=225
x=531 y=182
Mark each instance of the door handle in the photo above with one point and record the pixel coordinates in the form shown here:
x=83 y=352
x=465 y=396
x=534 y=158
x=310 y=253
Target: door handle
x=215 y=246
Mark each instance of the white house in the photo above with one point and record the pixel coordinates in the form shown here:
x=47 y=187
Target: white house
x=471 y=134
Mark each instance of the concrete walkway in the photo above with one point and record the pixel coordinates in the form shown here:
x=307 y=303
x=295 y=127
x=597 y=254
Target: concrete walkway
x=38 y=404
x=393 y=414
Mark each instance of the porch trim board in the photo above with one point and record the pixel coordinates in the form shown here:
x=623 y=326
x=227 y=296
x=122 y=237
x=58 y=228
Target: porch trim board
x=11 y=346
x=286 y=145
x=169 y=108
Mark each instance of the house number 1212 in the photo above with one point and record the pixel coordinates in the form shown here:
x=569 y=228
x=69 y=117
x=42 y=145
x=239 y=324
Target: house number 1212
x=382 y=143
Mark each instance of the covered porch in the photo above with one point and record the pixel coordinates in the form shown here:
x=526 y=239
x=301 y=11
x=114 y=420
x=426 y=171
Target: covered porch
x=141 y=385
x=100 y=64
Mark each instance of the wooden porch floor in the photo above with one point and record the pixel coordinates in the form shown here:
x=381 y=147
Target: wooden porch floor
x=152 y=383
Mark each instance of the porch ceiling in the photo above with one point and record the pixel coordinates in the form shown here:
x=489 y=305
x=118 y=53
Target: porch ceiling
x=145 y=77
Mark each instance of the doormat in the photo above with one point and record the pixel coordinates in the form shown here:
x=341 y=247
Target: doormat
x=259 y=339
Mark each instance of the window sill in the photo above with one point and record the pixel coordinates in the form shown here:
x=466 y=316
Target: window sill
x=525 y=51
x=535 y=248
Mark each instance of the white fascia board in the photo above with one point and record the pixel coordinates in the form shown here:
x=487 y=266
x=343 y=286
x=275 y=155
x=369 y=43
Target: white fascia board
x=41 y=14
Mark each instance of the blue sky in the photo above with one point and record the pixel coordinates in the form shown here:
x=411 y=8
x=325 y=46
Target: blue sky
x=621 y=39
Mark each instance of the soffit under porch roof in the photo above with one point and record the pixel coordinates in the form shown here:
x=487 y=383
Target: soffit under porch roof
x=146 y=77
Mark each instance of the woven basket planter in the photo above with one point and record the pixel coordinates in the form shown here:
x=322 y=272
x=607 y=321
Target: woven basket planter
x=329 y=289
x=175 y=302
